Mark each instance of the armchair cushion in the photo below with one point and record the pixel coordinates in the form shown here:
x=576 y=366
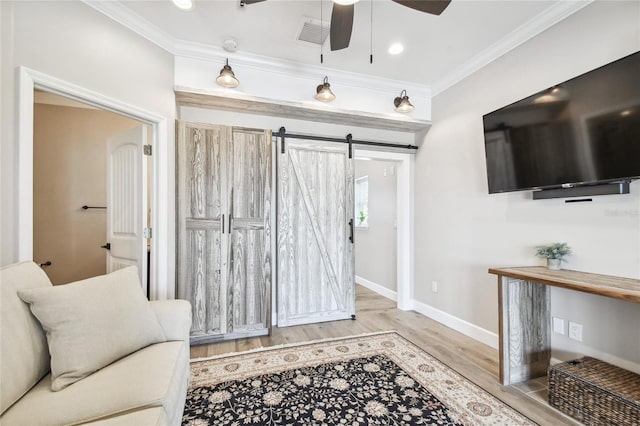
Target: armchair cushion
x=174 y=317
x=91 y=323
x=25 y=359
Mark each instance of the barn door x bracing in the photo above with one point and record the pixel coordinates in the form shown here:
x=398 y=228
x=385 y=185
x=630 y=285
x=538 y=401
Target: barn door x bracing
x=315 y=233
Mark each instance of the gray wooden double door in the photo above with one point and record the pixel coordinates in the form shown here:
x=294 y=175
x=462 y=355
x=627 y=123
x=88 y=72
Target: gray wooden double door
x=224 y=229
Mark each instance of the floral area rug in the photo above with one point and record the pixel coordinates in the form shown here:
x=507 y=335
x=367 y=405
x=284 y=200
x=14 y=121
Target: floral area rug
x=380 y=379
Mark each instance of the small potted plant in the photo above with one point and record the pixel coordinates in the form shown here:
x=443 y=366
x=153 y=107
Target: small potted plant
x=362 y=217
x=554 y=254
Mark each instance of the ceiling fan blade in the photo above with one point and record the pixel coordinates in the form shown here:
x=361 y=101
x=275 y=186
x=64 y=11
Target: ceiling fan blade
x=243 y=2
x=341 y=26
x=433 y=7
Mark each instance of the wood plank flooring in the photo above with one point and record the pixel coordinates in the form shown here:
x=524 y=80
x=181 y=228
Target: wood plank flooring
x=472 y=359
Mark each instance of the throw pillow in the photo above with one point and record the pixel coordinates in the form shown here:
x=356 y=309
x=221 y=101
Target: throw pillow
x=93 y=322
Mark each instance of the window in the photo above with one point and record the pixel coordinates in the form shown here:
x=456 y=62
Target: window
x=362 y=202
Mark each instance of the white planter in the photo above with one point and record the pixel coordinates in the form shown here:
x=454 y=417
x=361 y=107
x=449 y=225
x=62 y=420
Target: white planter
x=554 y=264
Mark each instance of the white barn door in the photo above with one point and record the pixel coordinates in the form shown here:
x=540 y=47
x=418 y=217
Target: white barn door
x=315 y=279
x=127 y=201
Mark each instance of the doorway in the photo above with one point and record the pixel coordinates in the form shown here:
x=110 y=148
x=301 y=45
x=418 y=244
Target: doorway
x=404 y=166
x=161 y=279
x=375 y=197
x=70 y=187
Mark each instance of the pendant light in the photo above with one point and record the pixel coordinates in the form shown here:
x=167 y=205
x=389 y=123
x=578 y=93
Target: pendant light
x=402 y=103
x=323 y=91
x=227 y=78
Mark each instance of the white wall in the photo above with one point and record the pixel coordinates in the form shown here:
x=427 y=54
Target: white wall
x=75 y=43
x=297 y=83
x=375 y=247
x=461 y=230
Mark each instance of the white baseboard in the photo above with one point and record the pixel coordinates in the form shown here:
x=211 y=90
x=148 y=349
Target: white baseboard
x=382 y=291
x=478 y=333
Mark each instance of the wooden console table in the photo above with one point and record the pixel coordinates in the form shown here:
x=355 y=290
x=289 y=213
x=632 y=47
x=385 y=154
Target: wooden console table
x=524 y=321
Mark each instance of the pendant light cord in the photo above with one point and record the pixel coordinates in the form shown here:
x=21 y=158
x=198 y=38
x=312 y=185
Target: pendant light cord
x=321 y=33
x=371 y=38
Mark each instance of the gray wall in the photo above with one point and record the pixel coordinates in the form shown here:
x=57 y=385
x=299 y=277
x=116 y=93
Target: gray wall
x=461 y=230
x=376 y=254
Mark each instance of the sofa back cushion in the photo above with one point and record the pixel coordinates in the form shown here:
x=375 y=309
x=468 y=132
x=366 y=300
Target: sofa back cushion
x=24 y=356
x=91 y=323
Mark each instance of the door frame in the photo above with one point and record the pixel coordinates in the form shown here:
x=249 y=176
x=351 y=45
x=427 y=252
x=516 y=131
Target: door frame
x=27 y=81
x=404 y=215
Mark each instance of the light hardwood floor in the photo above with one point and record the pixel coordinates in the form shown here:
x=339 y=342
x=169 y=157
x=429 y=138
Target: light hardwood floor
x=472 y=359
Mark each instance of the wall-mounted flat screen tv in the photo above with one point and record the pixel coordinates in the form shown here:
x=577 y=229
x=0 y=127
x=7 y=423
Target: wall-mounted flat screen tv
x=580 y=132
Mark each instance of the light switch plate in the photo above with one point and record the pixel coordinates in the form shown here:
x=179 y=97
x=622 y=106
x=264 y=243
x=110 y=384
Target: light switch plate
x=558 y=325
x=575 y=331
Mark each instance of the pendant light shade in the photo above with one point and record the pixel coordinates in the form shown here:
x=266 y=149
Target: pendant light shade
x=227 y=78
x=323 y=91
x=402 y=103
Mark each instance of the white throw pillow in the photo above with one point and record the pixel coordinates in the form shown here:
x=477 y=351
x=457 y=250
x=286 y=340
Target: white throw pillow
x=93 y=322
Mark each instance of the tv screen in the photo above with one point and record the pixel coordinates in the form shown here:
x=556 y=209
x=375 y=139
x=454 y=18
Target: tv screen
x=583 y=131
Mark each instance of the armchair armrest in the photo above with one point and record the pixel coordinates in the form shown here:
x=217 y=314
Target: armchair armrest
x=174 y=317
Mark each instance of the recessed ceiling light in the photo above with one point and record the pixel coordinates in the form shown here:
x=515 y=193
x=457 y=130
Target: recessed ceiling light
x=396 y=48
x=183 y=4
x=346 y=2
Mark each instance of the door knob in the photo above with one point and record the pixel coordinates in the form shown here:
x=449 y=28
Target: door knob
x=106 y=246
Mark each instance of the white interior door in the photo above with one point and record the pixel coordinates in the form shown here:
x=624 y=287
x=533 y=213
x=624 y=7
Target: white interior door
x=315 y=233
x=127 y=201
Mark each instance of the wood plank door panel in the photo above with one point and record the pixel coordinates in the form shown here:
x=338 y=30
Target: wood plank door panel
x=224 y=229
x=200 y=220
x=315 y=252
x=250 y=225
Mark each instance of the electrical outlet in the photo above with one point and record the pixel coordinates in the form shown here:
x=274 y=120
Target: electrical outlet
x=575 y=331
x=558 y=325
x=434 y=286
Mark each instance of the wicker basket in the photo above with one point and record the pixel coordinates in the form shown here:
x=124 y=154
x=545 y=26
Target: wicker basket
x=595 y=393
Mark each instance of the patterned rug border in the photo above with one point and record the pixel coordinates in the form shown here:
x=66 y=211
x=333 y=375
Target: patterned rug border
x=293 y=344
x=358 y=336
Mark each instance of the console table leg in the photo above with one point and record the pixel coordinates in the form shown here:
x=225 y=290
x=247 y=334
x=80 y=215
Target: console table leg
x=524 y=330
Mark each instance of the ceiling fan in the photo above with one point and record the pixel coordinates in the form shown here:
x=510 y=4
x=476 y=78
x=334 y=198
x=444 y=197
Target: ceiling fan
x=342 y=16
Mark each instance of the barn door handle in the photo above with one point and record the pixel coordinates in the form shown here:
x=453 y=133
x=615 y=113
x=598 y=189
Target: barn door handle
x=222 y=224
x=351 y=229
x=106 y=246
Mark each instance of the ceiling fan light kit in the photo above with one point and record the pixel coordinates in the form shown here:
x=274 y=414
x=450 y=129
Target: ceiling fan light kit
x=346 y=2
x=402 y=103
x=183 y=4
x=227 y=78
x=323 y=91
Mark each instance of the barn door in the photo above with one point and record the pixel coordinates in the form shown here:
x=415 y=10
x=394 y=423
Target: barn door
x=315 y=233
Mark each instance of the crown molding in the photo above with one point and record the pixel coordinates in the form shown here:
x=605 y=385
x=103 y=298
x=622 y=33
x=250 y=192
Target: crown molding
x=314 y=73
x=199 y=51
x=134 y=22
x=515 y=38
